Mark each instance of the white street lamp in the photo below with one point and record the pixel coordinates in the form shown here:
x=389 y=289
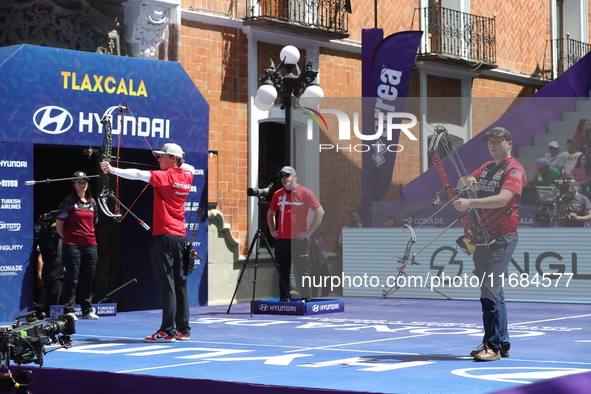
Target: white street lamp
x=288 y=86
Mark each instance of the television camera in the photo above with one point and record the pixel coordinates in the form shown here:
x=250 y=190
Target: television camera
x=548 y=199
x=45 y=222
x=25 y=343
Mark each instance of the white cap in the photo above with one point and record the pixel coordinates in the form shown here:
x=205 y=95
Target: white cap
x=553 y=144
x=170 y=149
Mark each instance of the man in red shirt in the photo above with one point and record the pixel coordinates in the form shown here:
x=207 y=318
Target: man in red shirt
x=292 y=204
x=498 y=184
x=171 y=189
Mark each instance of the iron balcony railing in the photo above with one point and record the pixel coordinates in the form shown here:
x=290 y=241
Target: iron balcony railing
x=458 y=34
x=568 y=52
x=330 y=15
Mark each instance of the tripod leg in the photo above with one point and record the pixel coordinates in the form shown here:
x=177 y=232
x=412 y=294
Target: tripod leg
x=250 y=249
x=281 y=281
x=256 y=266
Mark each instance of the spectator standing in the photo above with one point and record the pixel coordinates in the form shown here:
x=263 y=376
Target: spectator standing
x=580 y=133
x=76 y=217
x=49 y=279
x=287 y=218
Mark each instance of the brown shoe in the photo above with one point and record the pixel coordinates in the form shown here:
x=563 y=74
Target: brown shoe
x=487 y=354
x=504 y=352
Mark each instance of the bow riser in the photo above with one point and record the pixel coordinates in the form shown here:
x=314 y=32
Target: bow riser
x=107 y=156
x=403 y=262
x=442 y=139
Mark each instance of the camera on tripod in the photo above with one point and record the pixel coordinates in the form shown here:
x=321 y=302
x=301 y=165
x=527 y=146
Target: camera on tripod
x=25 y=343
x=259 y=192
x=548 y=199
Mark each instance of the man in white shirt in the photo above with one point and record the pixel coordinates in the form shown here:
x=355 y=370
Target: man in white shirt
x=571 y=155
x=554 y=157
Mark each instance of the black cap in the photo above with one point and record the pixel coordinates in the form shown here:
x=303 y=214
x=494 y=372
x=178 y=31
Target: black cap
x=498 y=132
x=80 y=175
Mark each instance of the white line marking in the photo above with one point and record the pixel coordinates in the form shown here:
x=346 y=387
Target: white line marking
x=270 y=360
x=516 y=374
x=94 y=349
x=162 y=366
x=555 y=319
x=358 y=343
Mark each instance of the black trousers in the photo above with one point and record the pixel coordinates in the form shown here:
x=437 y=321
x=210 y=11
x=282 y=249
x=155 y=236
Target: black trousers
x=296 y=251
x=49 y=294
x=167 y=263
x=80 y=264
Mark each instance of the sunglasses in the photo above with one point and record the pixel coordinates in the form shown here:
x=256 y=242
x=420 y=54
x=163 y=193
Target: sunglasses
x=497 y=133
x=284 y=175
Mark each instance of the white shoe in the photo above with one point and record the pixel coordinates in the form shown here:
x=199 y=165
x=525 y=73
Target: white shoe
x=72 y=315
x=90 y=315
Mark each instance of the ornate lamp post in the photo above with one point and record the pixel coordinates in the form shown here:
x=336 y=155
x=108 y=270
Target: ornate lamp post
x=288 y=86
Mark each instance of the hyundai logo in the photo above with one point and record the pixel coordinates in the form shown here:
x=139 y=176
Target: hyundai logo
x=53 y=120
x=263 y=307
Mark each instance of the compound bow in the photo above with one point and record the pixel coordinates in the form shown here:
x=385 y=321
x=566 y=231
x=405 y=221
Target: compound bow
x=472 y=236
x=403 y=262
x=107 y=156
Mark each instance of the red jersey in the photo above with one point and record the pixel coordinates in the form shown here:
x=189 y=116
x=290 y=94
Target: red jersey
x=171 y=189
x=293 y=210
x=580 y=139
x=492 y=178
x=79 y=220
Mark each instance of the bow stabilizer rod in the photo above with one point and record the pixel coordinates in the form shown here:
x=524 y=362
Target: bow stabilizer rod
x=71 y=178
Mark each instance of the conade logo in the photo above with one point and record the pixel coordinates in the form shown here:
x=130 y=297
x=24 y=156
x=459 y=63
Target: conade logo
x=53 y=120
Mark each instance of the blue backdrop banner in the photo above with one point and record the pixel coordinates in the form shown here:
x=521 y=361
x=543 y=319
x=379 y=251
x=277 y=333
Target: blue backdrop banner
x=16 y=229
x=57 y=97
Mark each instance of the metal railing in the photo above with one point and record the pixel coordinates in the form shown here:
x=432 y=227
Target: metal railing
x=330 y=15
x=568 y=52
x=458 y=34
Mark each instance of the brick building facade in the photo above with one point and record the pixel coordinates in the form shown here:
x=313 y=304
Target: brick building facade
x=217 y=55
x=499 y=52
